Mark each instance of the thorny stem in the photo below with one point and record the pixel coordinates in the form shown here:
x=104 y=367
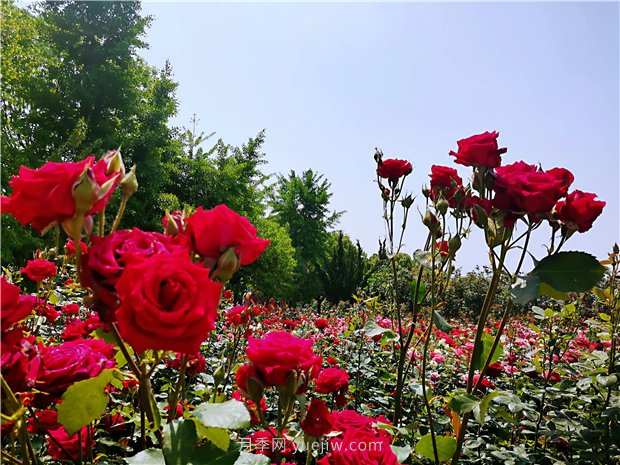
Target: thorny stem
x=51 y=436
x=179 y=388
x=119 y=214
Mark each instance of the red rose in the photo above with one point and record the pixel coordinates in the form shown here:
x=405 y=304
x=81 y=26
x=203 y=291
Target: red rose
x=579 y=210
x=346 y=420
x=73 y=361
x=479 y=150
x=244 y=373
x=173 y=223
x=317 y=422
x=47 y=196
x=332 y=380
x=20 y=366
x=70 y=247
x=446 y=183
x=108 y=256
x=47 y=418
x=237 y=316
x=359 y=447
x=70 y=443
x=195 y=364
x=167 y=303
x=14 y=307
x=443 y=247
x=39 y=269
x=394 y=169
x=71 y=309
x=263 y=443
x=321 y=323
x=74 y=329
x=279 y=355
x=521 y=188
x=212 y=232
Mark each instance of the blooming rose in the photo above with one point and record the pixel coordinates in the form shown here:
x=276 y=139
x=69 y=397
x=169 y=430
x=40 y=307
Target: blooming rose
x=394 y=169
x=195 y=364
x=262 y=443
x=13 y=307
x=359 y=447
x=479 y=150
x=212 y=232
x=279 y=355
x=47 y=196
x=446 y=182
x=70 y=247
x=244 y=373
x=321 y=323
x=521 y=188
x=47 y=418
x=317 y=421
x=346 y=420
x=107 y=257
x=579 y=210
x=237 y=316
x=70 y=443
x=20 y=365
x=72 y=361
x=71 y=309
x=332 y=380
x=39 y=269
x=167 y=303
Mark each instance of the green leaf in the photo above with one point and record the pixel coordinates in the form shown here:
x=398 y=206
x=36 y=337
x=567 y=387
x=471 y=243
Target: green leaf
x=218 y=436
x=208 y=454
x=84 y=402
x=231 y=414
x=480 y=410
x=423 y=257
x=569 y=271
x=440 y=322
x=525 y=289
x=147 y=457
x=545 y=289
x=463 y=403
x=372 y=329
x=487 y=344
x=421 y=291
x=246 y=458
x=446 y=447
x=402 y=453
x=180 y=440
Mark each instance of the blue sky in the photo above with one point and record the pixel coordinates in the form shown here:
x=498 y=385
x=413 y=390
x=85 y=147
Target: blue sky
x=331 y=81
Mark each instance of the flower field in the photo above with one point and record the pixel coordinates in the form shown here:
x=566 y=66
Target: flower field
x=128 y=346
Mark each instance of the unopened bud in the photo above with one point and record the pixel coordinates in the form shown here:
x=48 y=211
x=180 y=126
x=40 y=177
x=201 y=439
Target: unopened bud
x=442 y=206
x=114 y=162
x=454 y=244
x=430 y=221
x=426 y=192
x=85 y=192
x=129 y=183
x=378 y=156
x=407 y=201
x=227 y=265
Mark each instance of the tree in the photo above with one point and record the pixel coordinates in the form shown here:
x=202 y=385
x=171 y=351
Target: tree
x=342 y=270
x=273 y=273
x=301 y=204
x=74 y=86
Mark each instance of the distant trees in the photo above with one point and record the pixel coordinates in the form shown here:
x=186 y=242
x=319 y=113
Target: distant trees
x=300 y=203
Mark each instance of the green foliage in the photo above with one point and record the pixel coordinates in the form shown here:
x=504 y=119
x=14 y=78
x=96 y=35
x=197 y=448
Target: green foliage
x=231 y=414
x=446 y=447
x=272 y=275
x=301 y=204
x=487 y=344
x=147 y=457
x=559 y=273
x=84 y=402
x=341 y=270
x=180 y=440
x=379 y=279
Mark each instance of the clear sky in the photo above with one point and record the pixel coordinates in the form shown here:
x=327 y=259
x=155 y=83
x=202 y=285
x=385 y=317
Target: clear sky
x=332 y=81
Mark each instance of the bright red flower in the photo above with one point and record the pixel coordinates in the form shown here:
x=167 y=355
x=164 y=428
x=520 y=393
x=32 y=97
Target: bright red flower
x=521 y=188
x=46 y=196
x=73 y=361
x=70 y=443
x=280 y=355
x=394 y=169
x=14 y=307
x=167 y=303
x=262 y=443
x=237 y=316
x=39 y=269
x=579 y=210
x=321 y=323
x=71 y=309
x=212 y=232
x=70 y=247
x=446 y=182
x=479 y=150
x=108 y=256
x=317 y=422
x=332 y=380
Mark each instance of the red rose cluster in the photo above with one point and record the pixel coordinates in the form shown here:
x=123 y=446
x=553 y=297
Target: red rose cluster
x=514 y=190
